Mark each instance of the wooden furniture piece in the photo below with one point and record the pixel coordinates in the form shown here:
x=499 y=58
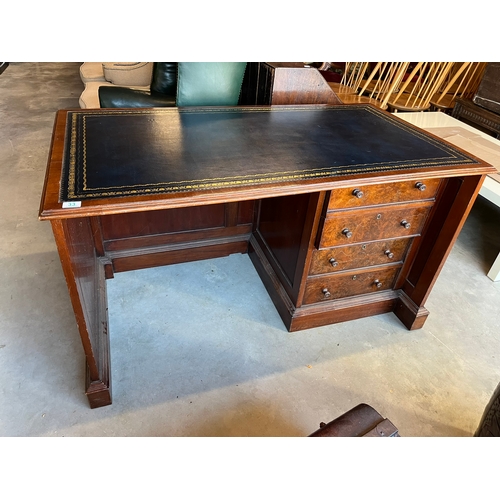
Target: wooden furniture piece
x=360 y=421
x=417 y=89
x=487 y=95
x=352 y=78
x=483 y=119
x=483 y=110
x=345 y=211
x=357 y=78
x=383 y=76
x=463 y=81
x=275 y=83
x=472 y=140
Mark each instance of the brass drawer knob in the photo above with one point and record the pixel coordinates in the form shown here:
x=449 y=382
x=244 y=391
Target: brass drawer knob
x=347 y=233
x=420 y=186
x=405 y=224
x=333 y=262
x=389 y=254
x=377 y=283
x=326 y=293
x=358 y=193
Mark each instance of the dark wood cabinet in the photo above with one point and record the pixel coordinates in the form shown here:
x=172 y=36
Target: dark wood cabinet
x=483 y=110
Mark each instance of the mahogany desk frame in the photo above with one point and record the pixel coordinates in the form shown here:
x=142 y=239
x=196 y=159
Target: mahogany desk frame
x=88 y=259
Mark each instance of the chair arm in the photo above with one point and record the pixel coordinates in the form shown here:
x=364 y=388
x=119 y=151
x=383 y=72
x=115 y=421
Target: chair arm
x=122 y=97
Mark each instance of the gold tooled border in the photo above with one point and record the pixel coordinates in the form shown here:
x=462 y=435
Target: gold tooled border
x=453 y=156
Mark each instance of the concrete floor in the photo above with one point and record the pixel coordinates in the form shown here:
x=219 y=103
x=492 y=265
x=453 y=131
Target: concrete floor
x=198 y=349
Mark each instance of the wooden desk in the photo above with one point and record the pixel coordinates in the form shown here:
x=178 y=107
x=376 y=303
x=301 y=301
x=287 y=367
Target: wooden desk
x=345 y=211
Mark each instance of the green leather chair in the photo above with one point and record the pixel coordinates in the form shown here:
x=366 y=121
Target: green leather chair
x=181 y=84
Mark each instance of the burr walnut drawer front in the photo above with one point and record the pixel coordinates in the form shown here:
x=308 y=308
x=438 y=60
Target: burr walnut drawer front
x=360 y=255
x=355 y=226
x=339 y=285
x=378 y=194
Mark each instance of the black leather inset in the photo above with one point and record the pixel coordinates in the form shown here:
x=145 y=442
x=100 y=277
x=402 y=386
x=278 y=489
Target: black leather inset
x=125 y=152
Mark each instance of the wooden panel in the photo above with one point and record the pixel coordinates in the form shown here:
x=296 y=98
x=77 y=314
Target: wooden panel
x=397 y=192
x=487 y=121
x=301 y=86
x=83 y=261
x=443 y=205
x=488 y=93
x=85 y=279
x=128 y=261
x=257 y=84
x=281 y=225
x=335 y=286
x=245 y=212
x=362 y=255
x=162 y=221
x=372 y=224
x=275 y=83
x=186 y=239
x=338 y=311
x=165 y=230
x=436 y=246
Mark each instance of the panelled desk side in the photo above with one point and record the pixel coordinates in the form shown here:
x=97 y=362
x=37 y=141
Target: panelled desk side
x=101 y=237
x=491 y=186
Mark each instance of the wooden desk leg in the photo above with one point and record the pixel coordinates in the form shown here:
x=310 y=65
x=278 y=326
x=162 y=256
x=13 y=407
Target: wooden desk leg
x=454 y=207
x=85 y=277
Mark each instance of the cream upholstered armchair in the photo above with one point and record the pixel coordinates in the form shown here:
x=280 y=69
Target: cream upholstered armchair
x=136 y=75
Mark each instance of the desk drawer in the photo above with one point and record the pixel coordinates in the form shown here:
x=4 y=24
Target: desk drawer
x=361 y=255
x=336 y=286
x=379 y=194
x=347 y=227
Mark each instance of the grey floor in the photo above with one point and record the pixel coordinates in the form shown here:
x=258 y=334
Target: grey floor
x=198 y=349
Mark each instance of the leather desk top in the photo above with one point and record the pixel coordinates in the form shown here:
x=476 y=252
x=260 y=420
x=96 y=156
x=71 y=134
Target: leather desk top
x=122 y=152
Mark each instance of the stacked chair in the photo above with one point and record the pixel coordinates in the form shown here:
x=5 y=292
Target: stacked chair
x=462 y=83
x=352 y=78
x=418 y=87
x=362 y=82
x=405 y=86
x=383 y=81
